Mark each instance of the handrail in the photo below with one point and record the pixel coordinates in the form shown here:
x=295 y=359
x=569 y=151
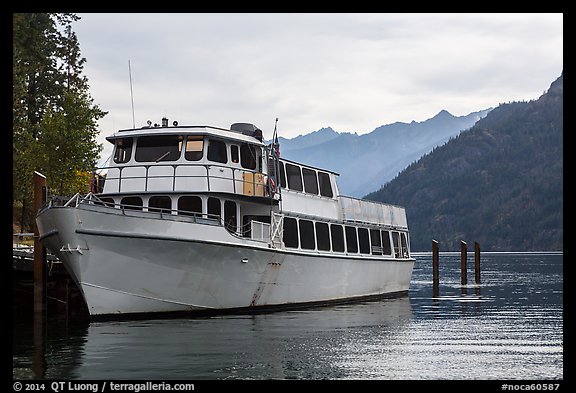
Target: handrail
x=257 y=183
x=170 y=214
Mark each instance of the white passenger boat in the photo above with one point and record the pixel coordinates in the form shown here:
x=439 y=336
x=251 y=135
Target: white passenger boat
x=203 y=218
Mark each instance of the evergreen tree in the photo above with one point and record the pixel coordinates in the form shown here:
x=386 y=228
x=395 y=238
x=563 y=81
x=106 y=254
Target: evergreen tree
x=54 y=117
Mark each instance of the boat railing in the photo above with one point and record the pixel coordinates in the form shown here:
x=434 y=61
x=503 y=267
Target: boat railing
x=183 y=178
x=370 y=212
x=253 y=229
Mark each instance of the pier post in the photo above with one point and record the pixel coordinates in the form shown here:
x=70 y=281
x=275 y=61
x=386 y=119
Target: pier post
x=39 y=250
x=477 y=262
x=38 y=360
x=435 y=266
x=463 y=255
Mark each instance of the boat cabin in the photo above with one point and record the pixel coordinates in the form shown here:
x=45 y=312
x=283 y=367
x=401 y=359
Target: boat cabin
x=233 y=178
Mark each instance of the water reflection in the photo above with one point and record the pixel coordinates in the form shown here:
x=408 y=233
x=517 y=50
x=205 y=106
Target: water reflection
x=508 y=327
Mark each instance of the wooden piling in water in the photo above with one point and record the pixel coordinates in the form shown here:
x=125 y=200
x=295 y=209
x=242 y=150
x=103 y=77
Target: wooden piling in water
x=477 y=262
x=39 y=250
x=38 y=361
x=435 y=266
x=463 y=255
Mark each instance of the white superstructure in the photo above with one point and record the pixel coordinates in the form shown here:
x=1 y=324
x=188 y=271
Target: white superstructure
x=204 y=218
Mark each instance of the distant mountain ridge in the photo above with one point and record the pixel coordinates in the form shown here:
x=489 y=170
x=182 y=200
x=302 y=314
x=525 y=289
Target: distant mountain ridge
x=499 y=183
x=367 y=161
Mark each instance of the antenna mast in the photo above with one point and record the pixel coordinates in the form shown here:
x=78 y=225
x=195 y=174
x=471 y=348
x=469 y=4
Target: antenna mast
x=131 y=95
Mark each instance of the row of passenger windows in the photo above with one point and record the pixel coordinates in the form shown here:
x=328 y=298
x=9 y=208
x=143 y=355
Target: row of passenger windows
x=304 y=179
x=314 y=235
x=156 y=148
x=188 y=205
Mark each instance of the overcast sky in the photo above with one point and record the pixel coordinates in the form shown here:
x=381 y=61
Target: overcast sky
x=352 y=72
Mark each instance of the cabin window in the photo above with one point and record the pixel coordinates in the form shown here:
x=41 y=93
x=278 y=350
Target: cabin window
x=396 y=241
x=325 y=186
x=123 y=150
x=190 y=205
x=131 y=203
x=322 y=236
x=306 y=235
x=386 y=248
x=351 y=240
x=290 y=233
x=234 y=154
x=214 y=208
x=160 y=203
x=376 y=241
x=217 y=151
x=230 y=215
x=364 y=240
x=247 y=156
x=310 y=181
x=404 y=245
x=337 y=238
x=294 y=177
x=282 y=175
x=158 y=148
x=194 y=148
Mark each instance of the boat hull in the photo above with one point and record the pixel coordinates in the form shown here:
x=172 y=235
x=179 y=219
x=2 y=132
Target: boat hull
x=136 y=263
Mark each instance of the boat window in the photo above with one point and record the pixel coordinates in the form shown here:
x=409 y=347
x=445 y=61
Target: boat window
x=131 y=203
x=364 y=240
x=351 y=240
x=325 y=186
x=290 y=232
x=194 y=148
x=282 y=175
x=310 y=181
x=190 y=205
x=160 y=203
x=337 y=238
x=294 y=177
x=214 y=208
x=247 y=156
x=306 y=234
x=396 y=241
x=376 y=241
x=404 y=245
x=156 y=148
x=230 y=215
x=322 y=236
x=217 y=151
x=123 y=150
x=386 y=248
x=234 y=154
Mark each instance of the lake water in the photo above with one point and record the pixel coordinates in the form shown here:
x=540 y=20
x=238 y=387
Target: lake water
x=509 y=327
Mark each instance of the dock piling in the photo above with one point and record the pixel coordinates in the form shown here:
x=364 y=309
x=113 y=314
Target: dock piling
x=38 y=360
x=477 y=262
x=39 y=250
x=463 y=255
x=435 y=266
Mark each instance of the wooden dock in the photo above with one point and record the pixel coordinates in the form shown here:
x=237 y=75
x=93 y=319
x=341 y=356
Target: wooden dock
x=63 y=298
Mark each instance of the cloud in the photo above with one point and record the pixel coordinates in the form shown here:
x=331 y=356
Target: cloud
x=353 y=72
